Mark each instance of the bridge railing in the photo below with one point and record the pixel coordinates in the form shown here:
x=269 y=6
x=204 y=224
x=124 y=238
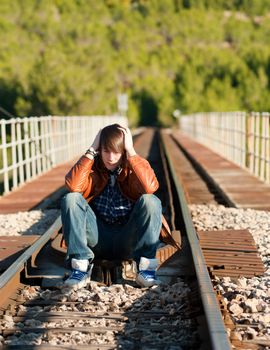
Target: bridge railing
x=31 y=146
x=243 y=138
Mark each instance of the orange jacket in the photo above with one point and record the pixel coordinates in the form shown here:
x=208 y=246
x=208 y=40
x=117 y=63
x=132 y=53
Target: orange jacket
x=90 y=177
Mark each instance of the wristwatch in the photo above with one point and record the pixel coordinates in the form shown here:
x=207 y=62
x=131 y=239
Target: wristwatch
x=92 y=152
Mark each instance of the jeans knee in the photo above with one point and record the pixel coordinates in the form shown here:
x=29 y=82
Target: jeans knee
x=151 y=203
x=70 y=200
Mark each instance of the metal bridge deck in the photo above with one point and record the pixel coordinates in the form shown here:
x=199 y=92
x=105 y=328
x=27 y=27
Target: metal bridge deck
x=35 y=192
x=231 y=253
x=242 y=189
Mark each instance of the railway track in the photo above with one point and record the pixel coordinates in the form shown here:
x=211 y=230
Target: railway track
x=182 y=313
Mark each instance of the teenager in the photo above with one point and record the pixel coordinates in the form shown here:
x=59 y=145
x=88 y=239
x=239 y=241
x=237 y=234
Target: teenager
x=110 y=211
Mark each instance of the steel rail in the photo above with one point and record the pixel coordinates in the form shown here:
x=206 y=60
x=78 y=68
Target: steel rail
x=217 y=330
x=9 y=280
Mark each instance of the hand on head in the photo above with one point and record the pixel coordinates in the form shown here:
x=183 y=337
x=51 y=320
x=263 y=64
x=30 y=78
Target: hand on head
x=128 y=141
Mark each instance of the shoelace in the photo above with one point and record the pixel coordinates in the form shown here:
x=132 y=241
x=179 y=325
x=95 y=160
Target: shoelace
x=148 y=274
x=77 y=275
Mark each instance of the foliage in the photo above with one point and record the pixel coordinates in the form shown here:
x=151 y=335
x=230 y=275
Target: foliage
x=65 y=57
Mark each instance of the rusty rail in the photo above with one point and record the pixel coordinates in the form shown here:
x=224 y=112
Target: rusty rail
x=10 y=279
x=217 y=330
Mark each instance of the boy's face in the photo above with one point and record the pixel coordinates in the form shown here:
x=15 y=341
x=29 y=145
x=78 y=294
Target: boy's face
x=111 y=159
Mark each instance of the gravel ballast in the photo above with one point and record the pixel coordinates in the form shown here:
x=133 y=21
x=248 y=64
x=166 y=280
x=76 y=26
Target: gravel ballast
x=248 y=299
x=120 y=315
x=34 y=222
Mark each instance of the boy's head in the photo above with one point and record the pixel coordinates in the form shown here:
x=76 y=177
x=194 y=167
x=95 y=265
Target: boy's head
x=111 y=146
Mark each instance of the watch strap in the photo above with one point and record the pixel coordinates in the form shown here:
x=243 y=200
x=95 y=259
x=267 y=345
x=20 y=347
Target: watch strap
x=92 y=152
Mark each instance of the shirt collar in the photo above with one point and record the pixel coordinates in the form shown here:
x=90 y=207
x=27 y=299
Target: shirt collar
x=116 y=171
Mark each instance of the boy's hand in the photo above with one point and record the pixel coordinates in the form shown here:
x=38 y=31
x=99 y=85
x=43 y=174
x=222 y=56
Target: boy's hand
x=128 y=141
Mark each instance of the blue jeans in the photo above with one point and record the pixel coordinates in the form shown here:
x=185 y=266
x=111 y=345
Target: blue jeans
x=87 y=236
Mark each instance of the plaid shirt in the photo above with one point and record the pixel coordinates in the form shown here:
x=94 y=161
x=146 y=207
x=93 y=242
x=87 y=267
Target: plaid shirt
x=111 y=205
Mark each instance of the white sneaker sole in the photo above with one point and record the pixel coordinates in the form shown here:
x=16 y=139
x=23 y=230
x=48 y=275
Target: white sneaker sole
x=76 y=286
x=144 y=283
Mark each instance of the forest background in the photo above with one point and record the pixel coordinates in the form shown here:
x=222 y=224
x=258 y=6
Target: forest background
x=73 y=57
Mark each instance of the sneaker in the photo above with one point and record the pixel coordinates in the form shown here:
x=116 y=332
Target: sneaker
x=78 y=279
x=147 y=272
